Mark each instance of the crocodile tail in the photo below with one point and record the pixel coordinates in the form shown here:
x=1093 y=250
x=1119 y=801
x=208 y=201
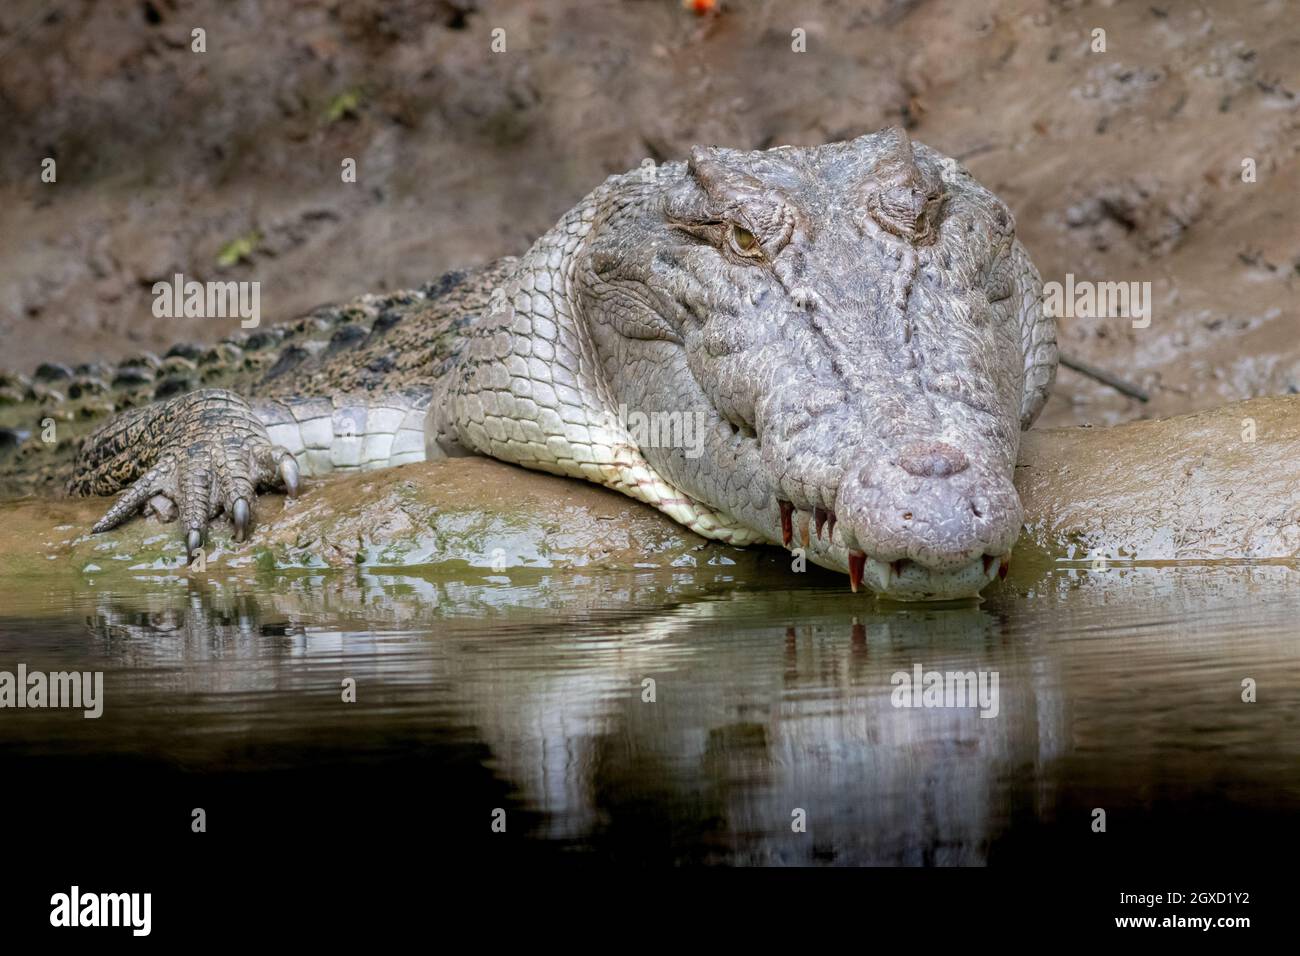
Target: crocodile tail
x=389 y=341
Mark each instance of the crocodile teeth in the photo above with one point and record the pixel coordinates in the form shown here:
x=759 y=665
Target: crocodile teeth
x=857 y=561
x=803 y=529
x=830 y=530
x=787 y=522
x=819 y=518
x=1004 y=567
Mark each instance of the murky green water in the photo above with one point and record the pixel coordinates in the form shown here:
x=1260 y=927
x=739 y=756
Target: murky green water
x=772 y=703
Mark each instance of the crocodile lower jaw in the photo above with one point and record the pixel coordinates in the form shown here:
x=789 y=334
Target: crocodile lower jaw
x=909 y=581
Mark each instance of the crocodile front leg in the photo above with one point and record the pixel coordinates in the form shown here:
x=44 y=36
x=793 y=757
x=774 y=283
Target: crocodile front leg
x=211 y=451
x=195 y=456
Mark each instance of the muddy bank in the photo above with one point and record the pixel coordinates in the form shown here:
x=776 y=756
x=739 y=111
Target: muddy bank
x=1207 y=486
x=1217 y=484
x=468 y=513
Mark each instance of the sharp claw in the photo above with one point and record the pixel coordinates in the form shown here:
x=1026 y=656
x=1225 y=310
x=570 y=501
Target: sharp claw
x=240 y=516
x=193 y=541
x=289 y=474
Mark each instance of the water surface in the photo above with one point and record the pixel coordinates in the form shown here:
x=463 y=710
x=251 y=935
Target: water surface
x=527 y=693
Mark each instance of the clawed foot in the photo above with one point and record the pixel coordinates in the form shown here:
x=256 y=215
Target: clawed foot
x=216 y=456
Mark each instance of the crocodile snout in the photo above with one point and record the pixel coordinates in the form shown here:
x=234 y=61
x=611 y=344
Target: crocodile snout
x=931 y=521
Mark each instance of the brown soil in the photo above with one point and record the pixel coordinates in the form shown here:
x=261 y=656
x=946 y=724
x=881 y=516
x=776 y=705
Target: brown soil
x=1123 y=165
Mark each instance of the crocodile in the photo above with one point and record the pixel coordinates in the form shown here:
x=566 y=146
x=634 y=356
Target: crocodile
x=853 y=330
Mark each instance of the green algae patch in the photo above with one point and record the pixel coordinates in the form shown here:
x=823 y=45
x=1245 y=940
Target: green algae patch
x=240 y=249
x=343 y=106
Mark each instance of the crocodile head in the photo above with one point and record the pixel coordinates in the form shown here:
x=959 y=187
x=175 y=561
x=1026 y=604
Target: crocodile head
x=858 y=336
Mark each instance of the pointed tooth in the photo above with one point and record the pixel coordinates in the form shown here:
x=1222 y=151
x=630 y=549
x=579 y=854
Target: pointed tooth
x=857 y=561
x=1004 y=567
x=819 y=518
x=803 y=529
x=787 y=522
x=830 y=531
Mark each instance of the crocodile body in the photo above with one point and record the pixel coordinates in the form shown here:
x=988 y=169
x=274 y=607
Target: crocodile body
x=853 y=331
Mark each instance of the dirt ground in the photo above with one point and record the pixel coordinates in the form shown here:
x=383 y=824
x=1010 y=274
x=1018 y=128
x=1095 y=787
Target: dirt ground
x=1123 y=165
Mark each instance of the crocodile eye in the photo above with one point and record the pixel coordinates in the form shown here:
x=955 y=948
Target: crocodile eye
x=745 y=240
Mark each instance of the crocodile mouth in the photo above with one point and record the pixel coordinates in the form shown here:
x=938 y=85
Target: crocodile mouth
x=944 y=577
x=898 y=579
x=905 y=580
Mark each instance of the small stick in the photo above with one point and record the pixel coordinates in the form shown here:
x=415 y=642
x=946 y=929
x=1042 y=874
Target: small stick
x=1101 y=375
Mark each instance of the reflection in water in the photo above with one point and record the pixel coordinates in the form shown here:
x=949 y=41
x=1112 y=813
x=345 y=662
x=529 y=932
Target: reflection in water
x=1120 y=688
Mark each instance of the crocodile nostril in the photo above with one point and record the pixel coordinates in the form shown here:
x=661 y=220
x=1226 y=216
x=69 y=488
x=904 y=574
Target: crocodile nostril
x=933 y=459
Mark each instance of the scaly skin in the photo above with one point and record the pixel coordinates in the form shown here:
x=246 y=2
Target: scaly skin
x=854 y=327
